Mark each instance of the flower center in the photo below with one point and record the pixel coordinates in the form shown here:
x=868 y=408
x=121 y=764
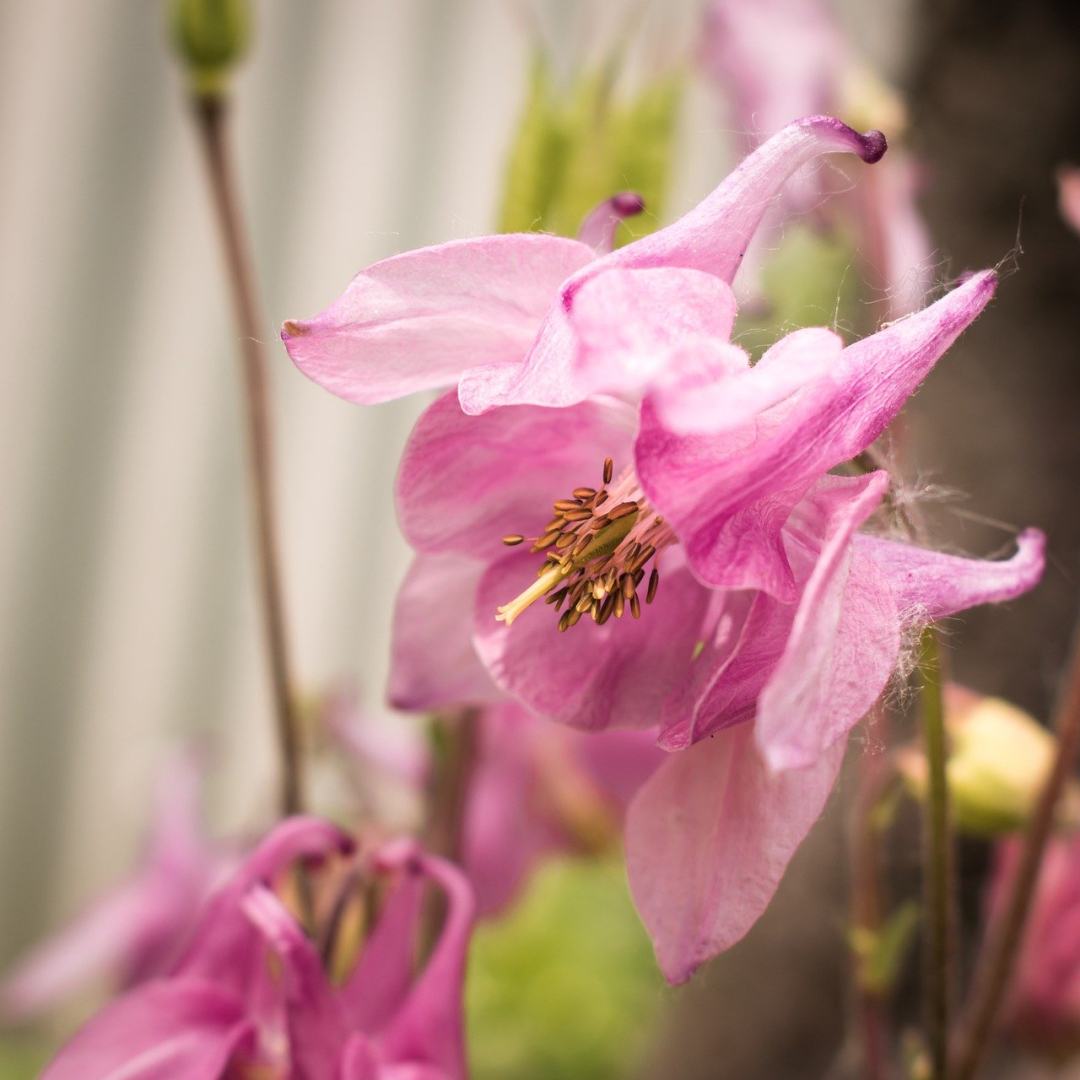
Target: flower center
x=597 y=548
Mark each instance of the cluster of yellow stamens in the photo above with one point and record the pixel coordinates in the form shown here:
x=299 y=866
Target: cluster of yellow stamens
x=598 y=544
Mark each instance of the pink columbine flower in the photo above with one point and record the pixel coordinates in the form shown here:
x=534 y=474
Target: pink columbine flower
x=251 y=996
x=137 y=930
x=1043 y=1003
x=1068 y=180
x=777 y=59
x=777 y=625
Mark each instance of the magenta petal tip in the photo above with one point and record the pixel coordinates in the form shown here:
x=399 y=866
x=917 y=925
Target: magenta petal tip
x=870 y=146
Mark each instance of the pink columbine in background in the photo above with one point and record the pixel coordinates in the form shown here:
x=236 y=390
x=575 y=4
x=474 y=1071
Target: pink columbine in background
x=252 y=995
x=769 y=625
x=1043 y=1002
x=138 y=929
x=775 y=59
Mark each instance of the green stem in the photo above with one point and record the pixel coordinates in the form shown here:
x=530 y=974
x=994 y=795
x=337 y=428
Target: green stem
x=1006 y=933
x=937 y=859
x=209 y=112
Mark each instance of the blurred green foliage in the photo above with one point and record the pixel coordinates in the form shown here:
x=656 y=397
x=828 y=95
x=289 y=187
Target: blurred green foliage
x=566 y=984
x=810 y=279
x=578 y=147
x=21 y=1059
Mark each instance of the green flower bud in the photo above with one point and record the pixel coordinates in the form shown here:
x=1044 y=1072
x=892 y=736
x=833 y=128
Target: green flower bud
x=210 y=37
x=999 y=759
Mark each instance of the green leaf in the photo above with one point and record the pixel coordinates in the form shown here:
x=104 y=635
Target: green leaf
x=566 y=984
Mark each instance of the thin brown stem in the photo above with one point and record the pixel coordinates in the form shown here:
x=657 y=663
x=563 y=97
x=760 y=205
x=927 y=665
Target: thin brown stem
x=937 y=859
x=210 y=120
x=1006 y=933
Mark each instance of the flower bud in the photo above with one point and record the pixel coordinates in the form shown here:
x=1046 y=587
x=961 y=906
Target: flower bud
x=210 y=36
x=998 y=761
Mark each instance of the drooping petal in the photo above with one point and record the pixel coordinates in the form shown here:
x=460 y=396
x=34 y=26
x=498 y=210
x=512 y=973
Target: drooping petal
x=708 y=839
x=601 y=223
x=929 y=585
x=180 y=1027
x=592 y=676
x=422 y=319
x=466 y=481
x=314 y=1017
x=433 y=664
x=380 y=981
x=715 y=234
x=711 y=238
x=226 y=948
x=844 y=639
x=1068 y=178
x=428 y=1029
x=729 y=493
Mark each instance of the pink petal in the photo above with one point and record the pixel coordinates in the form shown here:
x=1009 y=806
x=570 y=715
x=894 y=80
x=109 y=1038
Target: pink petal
x=729 y=493
x=929 y=585
x=1068 y=178
x=466 y=481
x=433 y=664
x=422 y=319
x=844 y=639
x=182 y=1027
x=505 y=828
x=710 y=238
x=708 y=839
x=601 y=224
x=380 y=981
x=315 y=1019
x=618 y=762
x=226 y=948
x=592 y=676
x=428 y=1030
x=714 y=235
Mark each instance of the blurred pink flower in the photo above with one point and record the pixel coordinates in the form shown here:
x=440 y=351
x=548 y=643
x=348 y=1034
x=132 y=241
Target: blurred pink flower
x=225 y=1010
x=1068 y=178
x=777 y=59
x=538 y=788
x=1043 y=1003
x=139 y=928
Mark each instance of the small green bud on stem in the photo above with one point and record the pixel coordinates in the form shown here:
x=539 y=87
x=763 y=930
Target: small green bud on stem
x=210 y=37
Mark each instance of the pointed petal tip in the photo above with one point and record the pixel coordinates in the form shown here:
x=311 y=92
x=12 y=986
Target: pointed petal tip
x=627 y=203
x=292 y=328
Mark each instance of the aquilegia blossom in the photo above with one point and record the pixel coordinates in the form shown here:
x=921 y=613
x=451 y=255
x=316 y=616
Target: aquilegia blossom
x=252 y=995
x=776 y=624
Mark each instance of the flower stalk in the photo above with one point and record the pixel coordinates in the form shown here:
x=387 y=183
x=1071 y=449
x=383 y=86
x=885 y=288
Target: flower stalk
x=210 y=115
x=937 y=858
x=1004 y=937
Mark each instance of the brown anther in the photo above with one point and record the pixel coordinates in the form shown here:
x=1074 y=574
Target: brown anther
x=610 y=579
x=647 y=552
x=557 y=598
x=606 y=608
x=584 y=493
x=638 y=575
x=654 y=581
x=578 y=515
x=632 y=552
x=564 y=621
x=598 y=590
x=512 y=540
x=546 y=540
x=635 y=606
x=622 y=510
x=620 y=604
x=601 y=497
x=584 y=603
x=567 y=504
x=627 y=586
x=575 y=616
x=565 y=540
x=609 y=470
x=555 y=524
x=581 y=545
x=594 y=611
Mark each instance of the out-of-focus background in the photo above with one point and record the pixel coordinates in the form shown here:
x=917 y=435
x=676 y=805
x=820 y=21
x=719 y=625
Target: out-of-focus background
x=365 y=127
